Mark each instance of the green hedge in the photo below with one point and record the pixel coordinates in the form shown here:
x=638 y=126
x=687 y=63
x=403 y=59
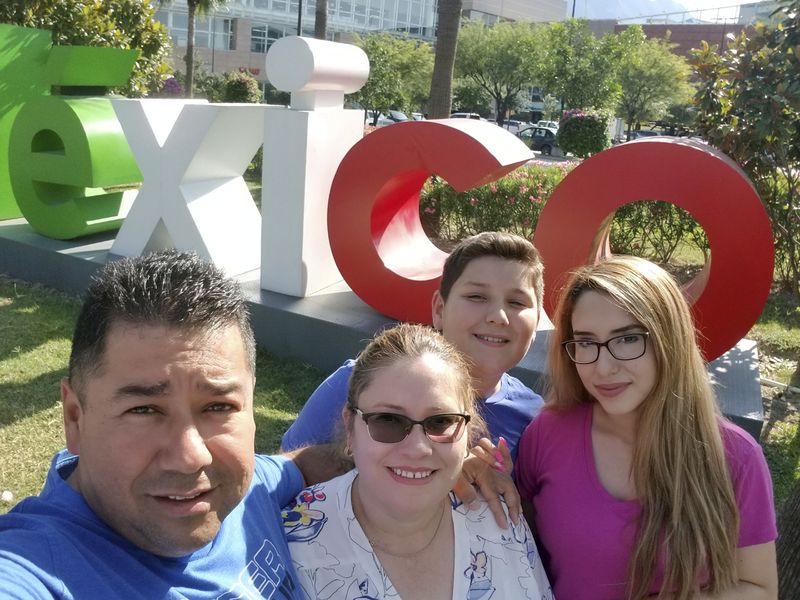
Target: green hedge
x=512 y=203
x=651 y=229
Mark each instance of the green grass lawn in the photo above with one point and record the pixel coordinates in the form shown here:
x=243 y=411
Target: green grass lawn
x=36 y=327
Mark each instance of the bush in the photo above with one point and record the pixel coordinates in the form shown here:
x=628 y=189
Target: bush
x=240 y=86
x=651 y=229
x=172 y=88
x=512 y=203
x=582 y=134
x=655 y=230
x=233 y=86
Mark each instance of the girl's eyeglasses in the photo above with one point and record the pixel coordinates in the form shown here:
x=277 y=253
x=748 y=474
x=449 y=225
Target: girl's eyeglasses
x=629 y=346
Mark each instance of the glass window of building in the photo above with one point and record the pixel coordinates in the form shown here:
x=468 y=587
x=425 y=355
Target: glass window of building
x=258 y=39
x=228 y=39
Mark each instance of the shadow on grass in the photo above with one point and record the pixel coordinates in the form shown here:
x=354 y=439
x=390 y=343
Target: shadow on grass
x=35 y=329
x=778 y=328
x=22 y=400
x=31 y=315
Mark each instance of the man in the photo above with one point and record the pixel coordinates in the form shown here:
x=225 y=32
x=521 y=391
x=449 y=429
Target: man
x=150 y=500
x=159 y=493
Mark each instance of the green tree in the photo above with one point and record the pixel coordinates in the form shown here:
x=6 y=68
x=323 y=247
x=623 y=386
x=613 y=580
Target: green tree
x=122 y=24
x=502 y=59
x=399 y=73
x=749 y=107
x=468 y=96
x=579 y=68
x=651 y=77
x=441 y=89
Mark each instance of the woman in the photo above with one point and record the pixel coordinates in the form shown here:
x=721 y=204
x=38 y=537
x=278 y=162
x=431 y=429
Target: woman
x=638 y=486
x=390 y=528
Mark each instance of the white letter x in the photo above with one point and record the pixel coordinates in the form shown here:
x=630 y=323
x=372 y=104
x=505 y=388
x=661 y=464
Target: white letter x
x=192 y=155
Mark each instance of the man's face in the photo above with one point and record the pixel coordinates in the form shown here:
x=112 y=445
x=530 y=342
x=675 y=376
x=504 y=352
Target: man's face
x=165 y=434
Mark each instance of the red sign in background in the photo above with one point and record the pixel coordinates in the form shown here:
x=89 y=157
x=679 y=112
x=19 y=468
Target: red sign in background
x=728 y=295
x=384 y=255
x=373 y=214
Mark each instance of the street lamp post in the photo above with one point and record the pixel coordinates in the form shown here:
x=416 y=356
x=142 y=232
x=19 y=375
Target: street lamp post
x=213 y=37
x=300 y=18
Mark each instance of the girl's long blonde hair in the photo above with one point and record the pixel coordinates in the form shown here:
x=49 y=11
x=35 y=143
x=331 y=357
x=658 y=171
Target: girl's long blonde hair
x=688 y=507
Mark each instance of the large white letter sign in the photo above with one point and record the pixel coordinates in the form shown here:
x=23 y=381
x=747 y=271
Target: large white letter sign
x=192 y=155
x=303 y=146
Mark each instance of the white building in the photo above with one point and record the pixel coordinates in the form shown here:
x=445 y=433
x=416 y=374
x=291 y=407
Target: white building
x=237 y=36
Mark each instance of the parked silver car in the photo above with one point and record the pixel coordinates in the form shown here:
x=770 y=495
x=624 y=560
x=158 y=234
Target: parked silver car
x=542 y=139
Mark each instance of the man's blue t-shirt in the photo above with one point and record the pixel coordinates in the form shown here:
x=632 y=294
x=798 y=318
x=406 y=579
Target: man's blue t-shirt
x=507 y=412
x=53 y=546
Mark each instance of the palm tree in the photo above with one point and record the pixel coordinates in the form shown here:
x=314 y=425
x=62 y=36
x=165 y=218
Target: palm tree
x=321 y=19
x=202 y=7
x=449 y=20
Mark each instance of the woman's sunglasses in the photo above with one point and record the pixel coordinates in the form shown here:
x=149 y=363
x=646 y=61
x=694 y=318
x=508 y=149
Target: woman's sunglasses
x=390 y=428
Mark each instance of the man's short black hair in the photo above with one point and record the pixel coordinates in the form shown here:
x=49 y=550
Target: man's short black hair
x=173 y=289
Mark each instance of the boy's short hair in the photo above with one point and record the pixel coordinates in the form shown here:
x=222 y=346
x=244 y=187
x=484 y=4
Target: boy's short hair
x=507 y=246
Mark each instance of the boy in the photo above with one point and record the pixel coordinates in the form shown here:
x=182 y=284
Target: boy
x=488 y=306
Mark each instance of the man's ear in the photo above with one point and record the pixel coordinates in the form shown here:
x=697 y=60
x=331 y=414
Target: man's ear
x=73 y=412
x=437 y=308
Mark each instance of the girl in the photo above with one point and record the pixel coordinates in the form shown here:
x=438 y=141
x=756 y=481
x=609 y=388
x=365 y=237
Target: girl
x=638 y=486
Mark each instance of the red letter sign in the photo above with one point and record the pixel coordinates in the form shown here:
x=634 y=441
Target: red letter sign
x=730 y=293
x=373 y=214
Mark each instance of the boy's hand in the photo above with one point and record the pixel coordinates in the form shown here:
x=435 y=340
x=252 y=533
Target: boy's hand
x=493 y=482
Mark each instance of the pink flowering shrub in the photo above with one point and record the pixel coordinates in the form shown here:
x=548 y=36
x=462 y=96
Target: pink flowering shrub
x=582 y=134
x=511 y=204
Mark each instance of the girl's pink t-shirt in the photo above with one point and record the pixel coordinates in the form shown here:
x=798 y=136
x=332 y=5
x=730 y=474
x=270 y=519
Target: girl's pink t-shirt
x=585 y=535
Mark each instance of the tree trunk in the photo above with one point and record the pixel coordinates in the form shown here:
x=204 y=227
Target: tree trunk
x=321 y=20
x=788 y=546
x=189 y=58
x=449 y=20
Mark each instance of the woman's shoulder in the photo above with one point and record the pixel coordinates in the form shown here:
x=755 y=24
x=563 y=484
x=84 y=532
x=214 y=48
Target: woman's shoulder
x=555 y=416
x=553 y=429
x=739 y=445
x=305 y=518
x=742 y=451
x=338 y=486
x=735 y=436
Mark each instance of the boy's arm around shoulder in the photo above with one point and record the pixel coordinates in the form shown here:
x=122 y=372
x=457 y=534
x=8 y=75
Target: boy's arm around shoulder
x=316 y=423
x=320 y=462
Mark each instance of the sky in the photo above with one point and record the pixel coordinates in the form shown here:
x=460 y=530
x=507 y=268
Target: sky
x=699 y=4
x=633 y=8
